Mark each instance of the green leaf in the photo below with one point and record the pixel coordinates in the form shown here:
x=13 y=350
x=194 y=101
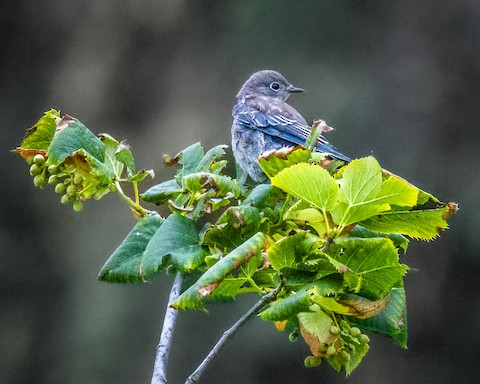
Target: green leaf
x=236 y=225
x=310 y=183
x=221 y=185
x=302 y=300
x=41 y=134
x=264 y=196
x=206 y=284
x=308 y=216
x=360 y=187
x=398 y=240
x=425 y=225
x=72 y=136
x=274 y=162
x=374 y=262
x=189 y=159
x=161 y=193
x=391 y=322
x=175 y=242
x=210 y=157
x=289 y=250
x=123 y=266
x=124 y=155
x=110 y=161
x=396 y=191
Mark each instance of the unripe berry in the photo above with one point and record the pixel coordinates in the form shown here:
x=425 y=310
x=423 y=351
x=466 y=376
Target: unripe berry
x=52 y=169
x=35 y=170
x=331 y=350
x=345 y=356
x=334 y=330
x=71 y=190
x=60 y=187
x=171 y=270
x=364 y=339
x=39 y=159
x=53 y=180
x=39 y=180
x=77 y=179
x=293 y=337
x=65 y=199
x=77 y=206
x=312 y=361
x=355 y=332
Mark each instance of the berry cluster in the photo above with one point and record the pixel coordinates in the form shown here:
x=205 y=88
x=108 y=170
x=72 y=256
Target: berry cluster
x=65 y=177
x=342 y=346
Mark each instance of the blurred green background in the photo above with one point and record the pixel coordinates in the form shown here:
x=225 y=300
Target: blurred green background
x=399 y=79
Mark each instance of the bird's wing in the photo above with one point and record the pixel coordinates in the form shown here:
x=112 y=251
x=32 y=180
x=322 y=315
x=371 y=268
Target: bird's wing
x=277 y=118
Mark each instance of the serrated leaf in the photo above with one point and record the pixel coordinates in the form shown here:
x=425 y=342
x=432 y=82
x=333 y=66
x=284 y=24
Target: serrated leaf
x=315 y=329
x=161 y=193
x=273 y=162
x=363 y=309
x=425 y=225
x=71 y=137
x=175 y=242
x=396 y=191
x=310 y=183
x=374 y=262
x=206 y=284
x=140 y=175
x=392 y=321
x=123 y=266
x=41 y=134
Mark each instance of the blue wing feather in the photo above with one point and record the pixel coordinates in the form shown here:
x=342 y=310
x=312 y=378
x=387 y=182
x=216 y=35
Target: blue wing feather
x=279 y=119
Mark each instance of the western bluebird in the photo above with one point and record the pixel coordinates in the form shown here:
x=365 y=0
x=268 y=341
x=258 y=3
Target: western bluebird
x=262 y=121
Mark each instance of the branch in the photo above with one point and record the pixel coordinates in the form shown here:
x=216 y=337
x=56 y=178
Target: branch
x=163 y=348
x=228 y=334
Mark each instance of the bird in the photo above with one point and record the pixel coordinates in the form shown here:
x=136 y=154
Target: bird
x=264 y=121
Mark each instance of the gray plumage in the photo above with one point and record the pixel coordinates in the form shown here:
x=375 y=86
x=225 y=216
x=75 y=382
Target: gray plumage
x=262 y=121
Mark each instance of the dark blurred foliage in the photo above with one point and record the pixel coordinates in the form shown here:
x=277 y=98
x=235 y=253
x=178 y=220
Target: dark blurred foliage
x=399 y=79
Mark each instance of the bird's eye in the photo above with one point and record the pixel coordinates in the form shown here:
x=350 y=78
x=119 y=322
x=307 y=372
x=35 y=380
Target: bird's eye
x=275 y=86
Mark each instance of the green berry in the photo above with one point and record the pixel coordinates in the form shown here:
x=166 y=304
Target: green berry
x=39 y=159
x=66 y=199
x=293 y=337
x=71 y=190
x=35 y=170
x=77 y=206
x=29 y=160
x=39 y=180
x=331 y=350
x=52 y=169
x=334 y=330
x=345 y=356
x=364 y=339
x=77 y=179
x=60 y=187
x=312 y=361
x=355 y=332
x=53 y=180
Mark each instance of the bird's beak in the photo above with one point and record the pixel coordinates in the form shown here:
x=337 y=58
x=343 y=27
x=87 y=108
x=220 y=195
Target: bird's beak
x=292 y=89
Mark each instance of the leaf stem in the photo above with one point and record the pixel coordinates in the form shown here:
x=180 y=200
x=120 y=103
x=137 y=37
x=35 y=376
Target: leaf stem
x=163 y=348
x=134 y=205
x=229 y=333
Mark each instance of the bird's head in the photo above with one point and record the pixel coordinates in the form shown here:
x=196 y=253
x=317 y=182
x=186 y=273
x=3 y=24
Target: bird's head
x=267 y=83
